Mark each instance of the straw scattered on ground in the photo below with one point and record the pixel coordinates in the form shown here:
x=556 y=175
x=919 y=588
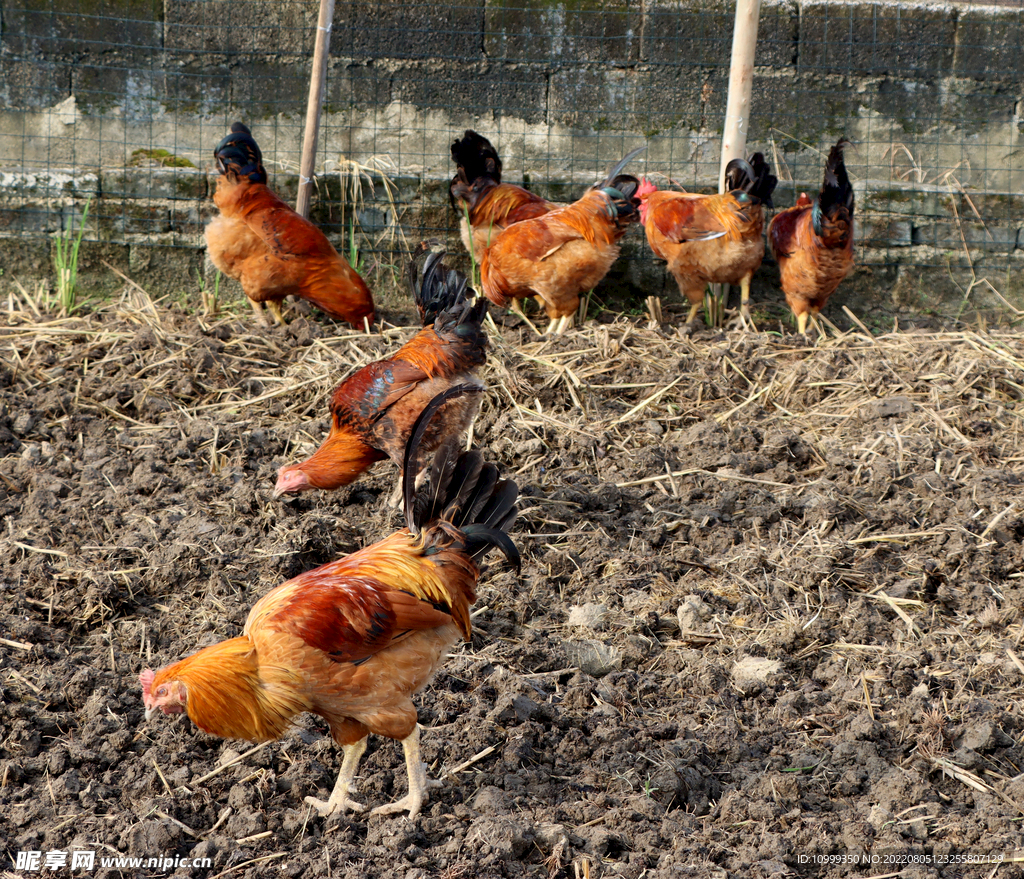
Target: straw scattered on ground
x=770 y=604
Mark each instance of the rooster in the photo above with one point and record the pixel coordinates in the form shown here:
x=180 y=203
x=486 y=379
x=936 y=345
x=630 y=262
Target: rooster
x=564 y=253
x=373 y=410
x=261 y=242
x=355 y=639
x=813 y=241
x=483 y=203
x=711 y=239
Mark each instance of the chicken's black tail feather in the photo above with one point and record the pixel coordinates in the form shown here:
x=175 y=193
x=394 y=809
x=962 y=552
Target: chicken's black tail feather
x=476 y=158
x=752 y=177
x=462 y=496
x=835 y=201
x=239 y=154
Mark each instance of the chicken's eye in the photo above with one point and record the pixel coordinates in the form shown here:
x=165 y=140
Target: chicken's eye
x=161 y=690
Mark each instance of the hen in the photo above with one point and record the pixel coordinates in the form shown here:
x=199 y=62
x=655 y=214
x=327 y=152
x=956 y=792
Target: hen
x=813 y=241
x=355 y=639
x=564 y=253
x=273 y=252
x=477 y=193
x=373 y=410
x=711 y=239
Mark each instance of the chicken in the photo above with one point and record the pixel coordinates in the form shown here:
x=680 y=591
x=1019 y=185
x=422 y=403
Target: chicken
x=373 y=410
x=564 y=253
x=813 y=241
x=353 y=640
x=261 y=242
x=711 y=239
x=476 y=192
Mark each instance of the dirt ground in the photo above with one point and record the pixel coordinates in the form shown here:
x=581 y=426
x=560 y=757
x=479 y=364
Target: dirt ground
x=769 y=616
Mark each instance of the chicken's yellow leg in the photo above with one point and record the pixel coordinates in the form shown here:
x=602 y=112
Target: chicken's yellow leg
x=418 y=781
x=259 y=311
x=339 y=800
x=744 y=300
x=275 y=309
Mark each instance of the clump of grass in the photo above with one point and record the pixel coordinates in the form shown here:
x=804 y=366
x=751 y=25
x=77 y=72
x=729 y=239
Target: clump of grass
x=65 y=261
x=353 y=177
x=474 y=278
x=355 y=259
x=211 y=300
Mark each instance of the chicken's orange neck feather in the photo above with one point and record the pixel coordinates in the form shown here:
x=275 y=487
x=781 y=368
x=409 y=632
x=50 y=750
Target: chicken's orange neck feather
x=341 y=459
x=227 y=696
x=590 y=217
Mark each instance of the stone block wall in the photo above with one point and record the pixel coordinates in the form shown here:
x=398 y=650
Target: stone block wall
x=123 y=102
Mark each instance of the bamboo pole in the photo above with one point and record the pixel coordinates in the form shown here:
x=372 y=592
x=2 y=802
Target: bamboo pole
x=741 y=78
x=321 y=54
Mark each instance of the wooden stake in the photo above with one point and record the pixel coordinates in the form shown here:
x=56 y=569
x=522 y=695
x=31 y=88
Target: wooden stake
x=321 y=53
x=741 y=79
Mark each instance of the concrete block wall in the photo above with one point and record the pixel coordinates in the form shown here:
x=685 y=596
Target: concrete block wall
x=931 y=92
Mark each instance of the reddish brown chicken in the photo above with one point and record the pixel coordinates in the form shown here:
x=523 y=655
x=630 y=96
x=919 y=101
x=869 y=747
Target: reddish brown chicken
x=354 y=640
x=564 y=253
x=273 y=252
x=373 y=410
x=711 y=239
x=476 y=192
x=813 y=241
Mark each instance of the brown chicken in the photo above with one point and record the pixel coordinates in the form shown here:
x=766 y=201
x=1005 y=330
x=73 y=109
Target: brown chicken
x=273 y=252
x=564 y=253
x=813 y=241
x=373 y=410
x=711 y=239
x=476 y=192
x=355 y=639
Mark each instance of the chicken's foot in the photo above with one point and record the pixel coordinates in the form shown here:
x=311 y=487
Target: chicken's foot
x=517 y=309
x=274 y=307
x=419 y=784
x=559 y=325
x=809 y=317
x=654 y=313
x=260 y=312
x=339 y=801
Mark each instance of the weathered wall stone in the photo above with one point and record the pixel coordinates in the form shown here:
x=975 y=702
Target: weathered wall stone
x=929 y=91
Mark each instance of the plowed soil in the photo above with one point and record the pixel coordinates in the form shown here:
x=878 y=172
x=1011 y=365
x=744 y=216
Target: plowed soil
x=769 y=616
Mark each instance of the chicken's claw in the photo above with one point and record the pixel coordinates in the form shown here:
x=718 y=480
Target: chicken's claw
x=274 y=307
x=333 y=806
x=410 y=802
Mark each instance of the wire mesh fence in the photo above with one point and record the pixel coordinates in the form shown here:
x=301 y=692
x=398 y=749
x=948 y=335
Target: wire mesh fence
x=122 y=103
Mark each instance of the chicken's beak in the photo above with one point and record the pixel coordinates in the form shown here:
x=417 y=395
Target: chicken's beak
x=150 y=711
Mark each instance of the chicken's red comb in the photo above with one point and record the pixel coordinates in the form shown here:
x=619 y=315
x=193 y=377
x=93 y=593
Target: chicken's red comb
x=146 y=679
x=646 y=187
